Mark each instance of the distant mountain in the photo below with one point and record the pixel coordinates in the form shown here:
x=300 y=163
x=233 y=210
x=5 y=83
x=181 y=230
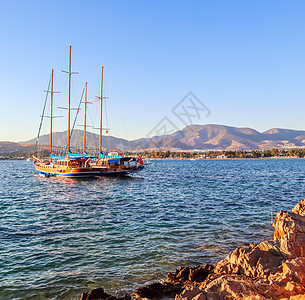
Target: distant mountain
x=92 y=140
x=8 y=148
x=199 y=137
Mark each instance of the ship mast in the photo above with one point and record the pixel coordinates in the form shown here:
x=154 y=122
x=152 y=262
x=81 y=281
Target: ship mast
x=69 y=108
x=85 y=117
x=51 y=124
x=101 y=122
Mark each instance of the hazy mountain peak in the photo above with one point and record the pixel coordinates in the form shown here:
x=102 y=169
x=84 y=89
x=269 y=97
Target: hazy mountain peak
x=200 y=137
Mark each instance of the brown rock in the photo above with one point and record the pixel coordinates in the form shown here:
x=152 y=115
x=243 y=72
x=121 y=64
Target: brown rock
x=190 y=292
x=292 y=245
x=185 y=274
x=200 y=296
x=252 y=262
x=212 y=296
x=99 y=294
x=199 y=274
x=295 y=270
x=231 y=287
x=298 y=297
x=299 y=209
x=158 y=290
x=95 y=294
x=271 y=290
x=288 y=222
x=242 y=287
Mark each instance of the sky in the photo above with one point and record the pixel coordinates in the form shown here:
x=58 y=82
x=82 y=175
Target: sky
x=243 y=62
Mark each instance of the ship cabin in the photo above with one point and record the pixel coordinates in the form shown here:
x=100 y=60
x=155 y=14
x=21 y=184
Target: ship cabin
x=73 y=162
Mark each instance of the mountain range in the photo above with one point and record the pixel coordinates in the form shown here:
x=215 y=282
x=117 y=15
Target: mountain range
x=192 y=137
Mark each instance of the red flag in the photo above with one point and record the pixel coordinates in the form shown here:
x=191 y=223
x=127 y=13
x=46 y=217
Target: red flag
x=140 y=160
x=78 y=111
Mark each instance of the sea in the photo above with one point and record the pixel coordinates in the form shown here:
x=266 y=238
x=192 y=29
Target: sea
x=61 y=237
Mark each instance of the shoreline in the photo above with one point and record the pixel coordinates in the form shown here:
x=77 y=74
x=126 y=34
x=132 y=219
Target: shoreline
x=273 y=269
x=227 y=158
x=178 y=159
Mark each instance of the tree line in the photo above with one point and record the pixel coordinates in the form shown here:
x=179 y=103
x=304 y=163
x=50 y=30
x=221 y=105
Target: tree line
x=300 y=153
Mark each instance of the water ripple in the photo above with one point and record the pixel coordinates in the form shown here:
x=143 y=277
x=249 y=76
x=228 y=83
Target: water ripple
x=59 y=237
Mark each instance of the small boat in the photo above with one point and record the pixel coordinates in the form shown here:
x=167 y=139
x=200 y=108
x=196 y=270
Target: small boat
x=83 y=165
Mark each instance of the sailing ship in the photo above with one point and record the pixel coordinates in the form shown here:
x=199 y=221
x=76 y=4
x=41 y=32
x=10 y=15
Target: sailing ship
x=84 y=165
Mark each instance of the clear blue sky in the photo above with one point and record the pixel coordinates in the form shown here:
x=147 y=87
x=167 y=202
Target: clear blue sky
x=245 y=60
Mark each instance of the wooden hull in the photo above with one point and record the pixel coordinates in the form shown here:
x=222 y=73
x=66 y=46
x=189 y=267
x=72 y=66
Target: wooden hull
x=118 y=171
x=49 y=169
x=53 y=170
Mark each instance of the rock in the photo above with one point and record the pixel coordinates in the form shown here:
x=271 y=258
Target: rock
x=231 y=287
x=269 y=270
x=158 y=290
x=288 y=222
x=252 y=262
x=299 y=209
x=294 y=271
x=200 y=296
x=297 y=297
x=242 y=287
x=181 y=275
x=184 y=274
x=94 y=294
x=199 y=274
x=190 y=293
x=286 y=281
x=99 y=294
x=212 y=296
x=292 y=245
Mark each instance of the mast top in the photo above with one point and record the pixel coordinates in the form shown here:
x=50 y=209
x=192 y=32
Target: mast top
x=101 y=117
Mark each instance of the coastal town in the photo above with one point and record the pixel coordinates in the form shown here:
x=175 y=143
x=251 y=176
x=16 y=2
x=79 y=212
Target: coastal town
x=181 y=155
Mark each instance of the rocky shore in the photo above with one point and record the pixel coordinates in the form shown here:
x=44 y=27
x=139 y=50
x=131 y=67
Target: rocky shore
x=272 y=269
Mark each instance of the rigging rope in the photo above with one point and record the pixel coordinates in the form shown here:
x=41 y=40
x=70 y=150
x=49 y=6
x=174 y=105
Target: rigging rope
x=42 y=116
x=78 y=108
x=107 y=126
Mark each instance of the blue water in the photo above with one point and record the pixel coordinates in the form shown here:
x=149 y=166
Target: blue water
x=60 y=237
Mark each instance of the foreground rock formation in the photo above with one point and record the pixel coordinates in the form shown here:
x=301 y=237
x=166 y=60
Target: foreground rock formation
x=269 y=270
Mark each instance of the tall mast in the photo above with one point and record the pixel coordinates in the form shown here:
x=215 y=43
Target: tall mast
x=85 y=117
x=101 y=123
x=51 y=124
x=69 y=98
